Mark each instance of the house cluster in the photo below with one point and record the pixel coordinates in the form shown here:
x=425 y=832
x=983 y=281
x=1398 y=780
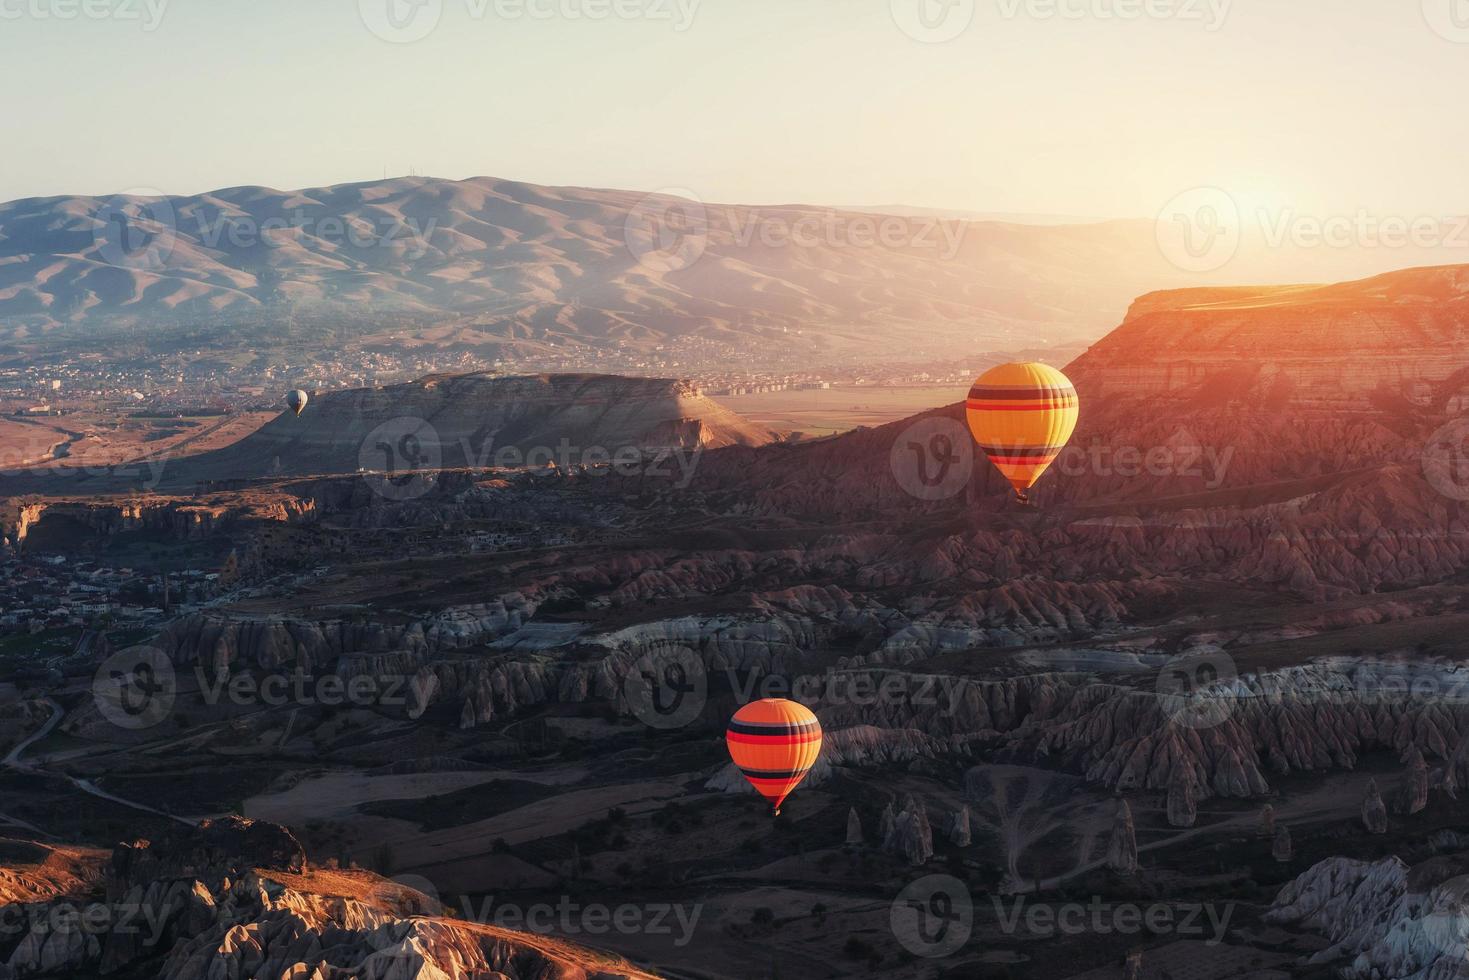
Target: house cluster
x=52 y=592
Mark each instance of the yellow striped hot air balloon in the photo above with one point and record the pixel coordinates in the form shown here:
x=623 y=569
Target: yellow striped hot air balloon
x=1022 y=416
x=774 y=743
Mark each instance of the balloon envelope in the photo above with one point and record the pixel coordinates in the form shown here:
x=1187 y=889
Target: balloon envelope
x=774 y=743
x=1022 y=416
x=297 y=400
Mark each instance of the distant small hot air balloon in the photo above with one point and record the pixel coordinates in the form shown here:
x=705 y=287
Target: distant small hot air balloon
x=1022 y=416
x=296 y=401
x=774 y=743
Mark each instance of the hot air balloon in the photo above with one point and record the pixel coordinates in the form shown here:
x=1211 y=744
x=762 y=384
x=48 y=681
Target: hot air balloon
x=774 y=743
x=1022 y=416
x=296 y=401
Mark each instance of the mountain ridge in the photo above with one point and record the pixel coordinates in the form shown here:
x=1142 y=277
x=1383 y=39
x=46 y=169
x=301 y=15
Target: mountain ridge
x=503 y=267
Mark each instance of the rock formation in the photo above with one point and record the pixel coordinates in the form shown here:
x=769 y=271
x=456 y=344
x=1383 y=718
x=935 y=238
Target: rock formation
x=912 y=836
x=959 y=831
x=227 y=846
x=533 y=417
x=234 y=899
x=1415 y=787
x=854 y=829
x=1282 y=849
x=1382 y=918
x=1122 y=850
x=889 y=821
x=1374 y=810
x=1183 y=811
x=1267 y=821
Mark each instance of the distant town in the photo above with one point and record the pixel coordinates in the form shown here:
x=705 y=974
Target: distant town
x=52 y=592
x=200 y=384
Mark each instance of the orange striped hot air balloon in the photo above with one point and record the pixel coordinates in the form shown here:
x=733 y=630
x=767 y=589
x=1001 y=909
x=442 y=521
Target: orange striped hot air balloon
x=774 y=743
x=1022 y=416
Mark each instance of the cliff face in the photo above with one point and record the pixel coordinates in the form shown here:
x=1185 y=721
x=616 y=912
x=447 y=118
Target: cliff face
x=1331 y=347
x=1307 y=408
x=183 y=519
x=234 y=898
x=476 y=421
x=1383 y=918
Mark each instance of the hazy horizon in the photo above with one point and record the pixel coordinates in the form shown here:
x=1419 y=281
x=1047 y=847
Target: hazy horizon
x=1025 y=109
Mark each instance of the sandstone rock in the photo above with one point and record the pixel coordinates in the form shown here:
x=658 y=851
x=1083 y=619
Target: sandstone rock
x=251 y=925
x=959 y=831
x=854 y=829
x=1374 y=810
x=1182 y=809
x=215 y=849
x=912 y=835
x=889 y=821
x=1282 y=849
x=1382 y=918
x=1122 y=849
x=1415 y=789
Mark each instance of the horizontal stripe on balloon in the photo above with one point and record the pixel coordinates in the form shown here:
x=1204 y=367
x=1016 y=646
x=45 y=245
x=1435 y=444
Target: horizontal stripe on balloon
x=1029 y=406
x=1021 y=394
x=811 y=738
x=1008 y=461
x=774 y=727
x=776 y=775
x=1021 y=450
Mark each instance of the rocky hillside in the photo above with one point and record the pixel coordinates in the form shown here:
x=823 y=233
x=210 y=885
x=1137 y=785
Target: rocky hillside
x=477 y=421
x=1400 y=335
x=1384 y=918
x=1203 y=398
x=235 y=898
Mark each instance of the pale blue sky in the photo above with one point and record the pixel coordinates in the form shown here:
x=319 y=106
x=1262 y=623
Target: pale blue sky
x=1326 y=104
